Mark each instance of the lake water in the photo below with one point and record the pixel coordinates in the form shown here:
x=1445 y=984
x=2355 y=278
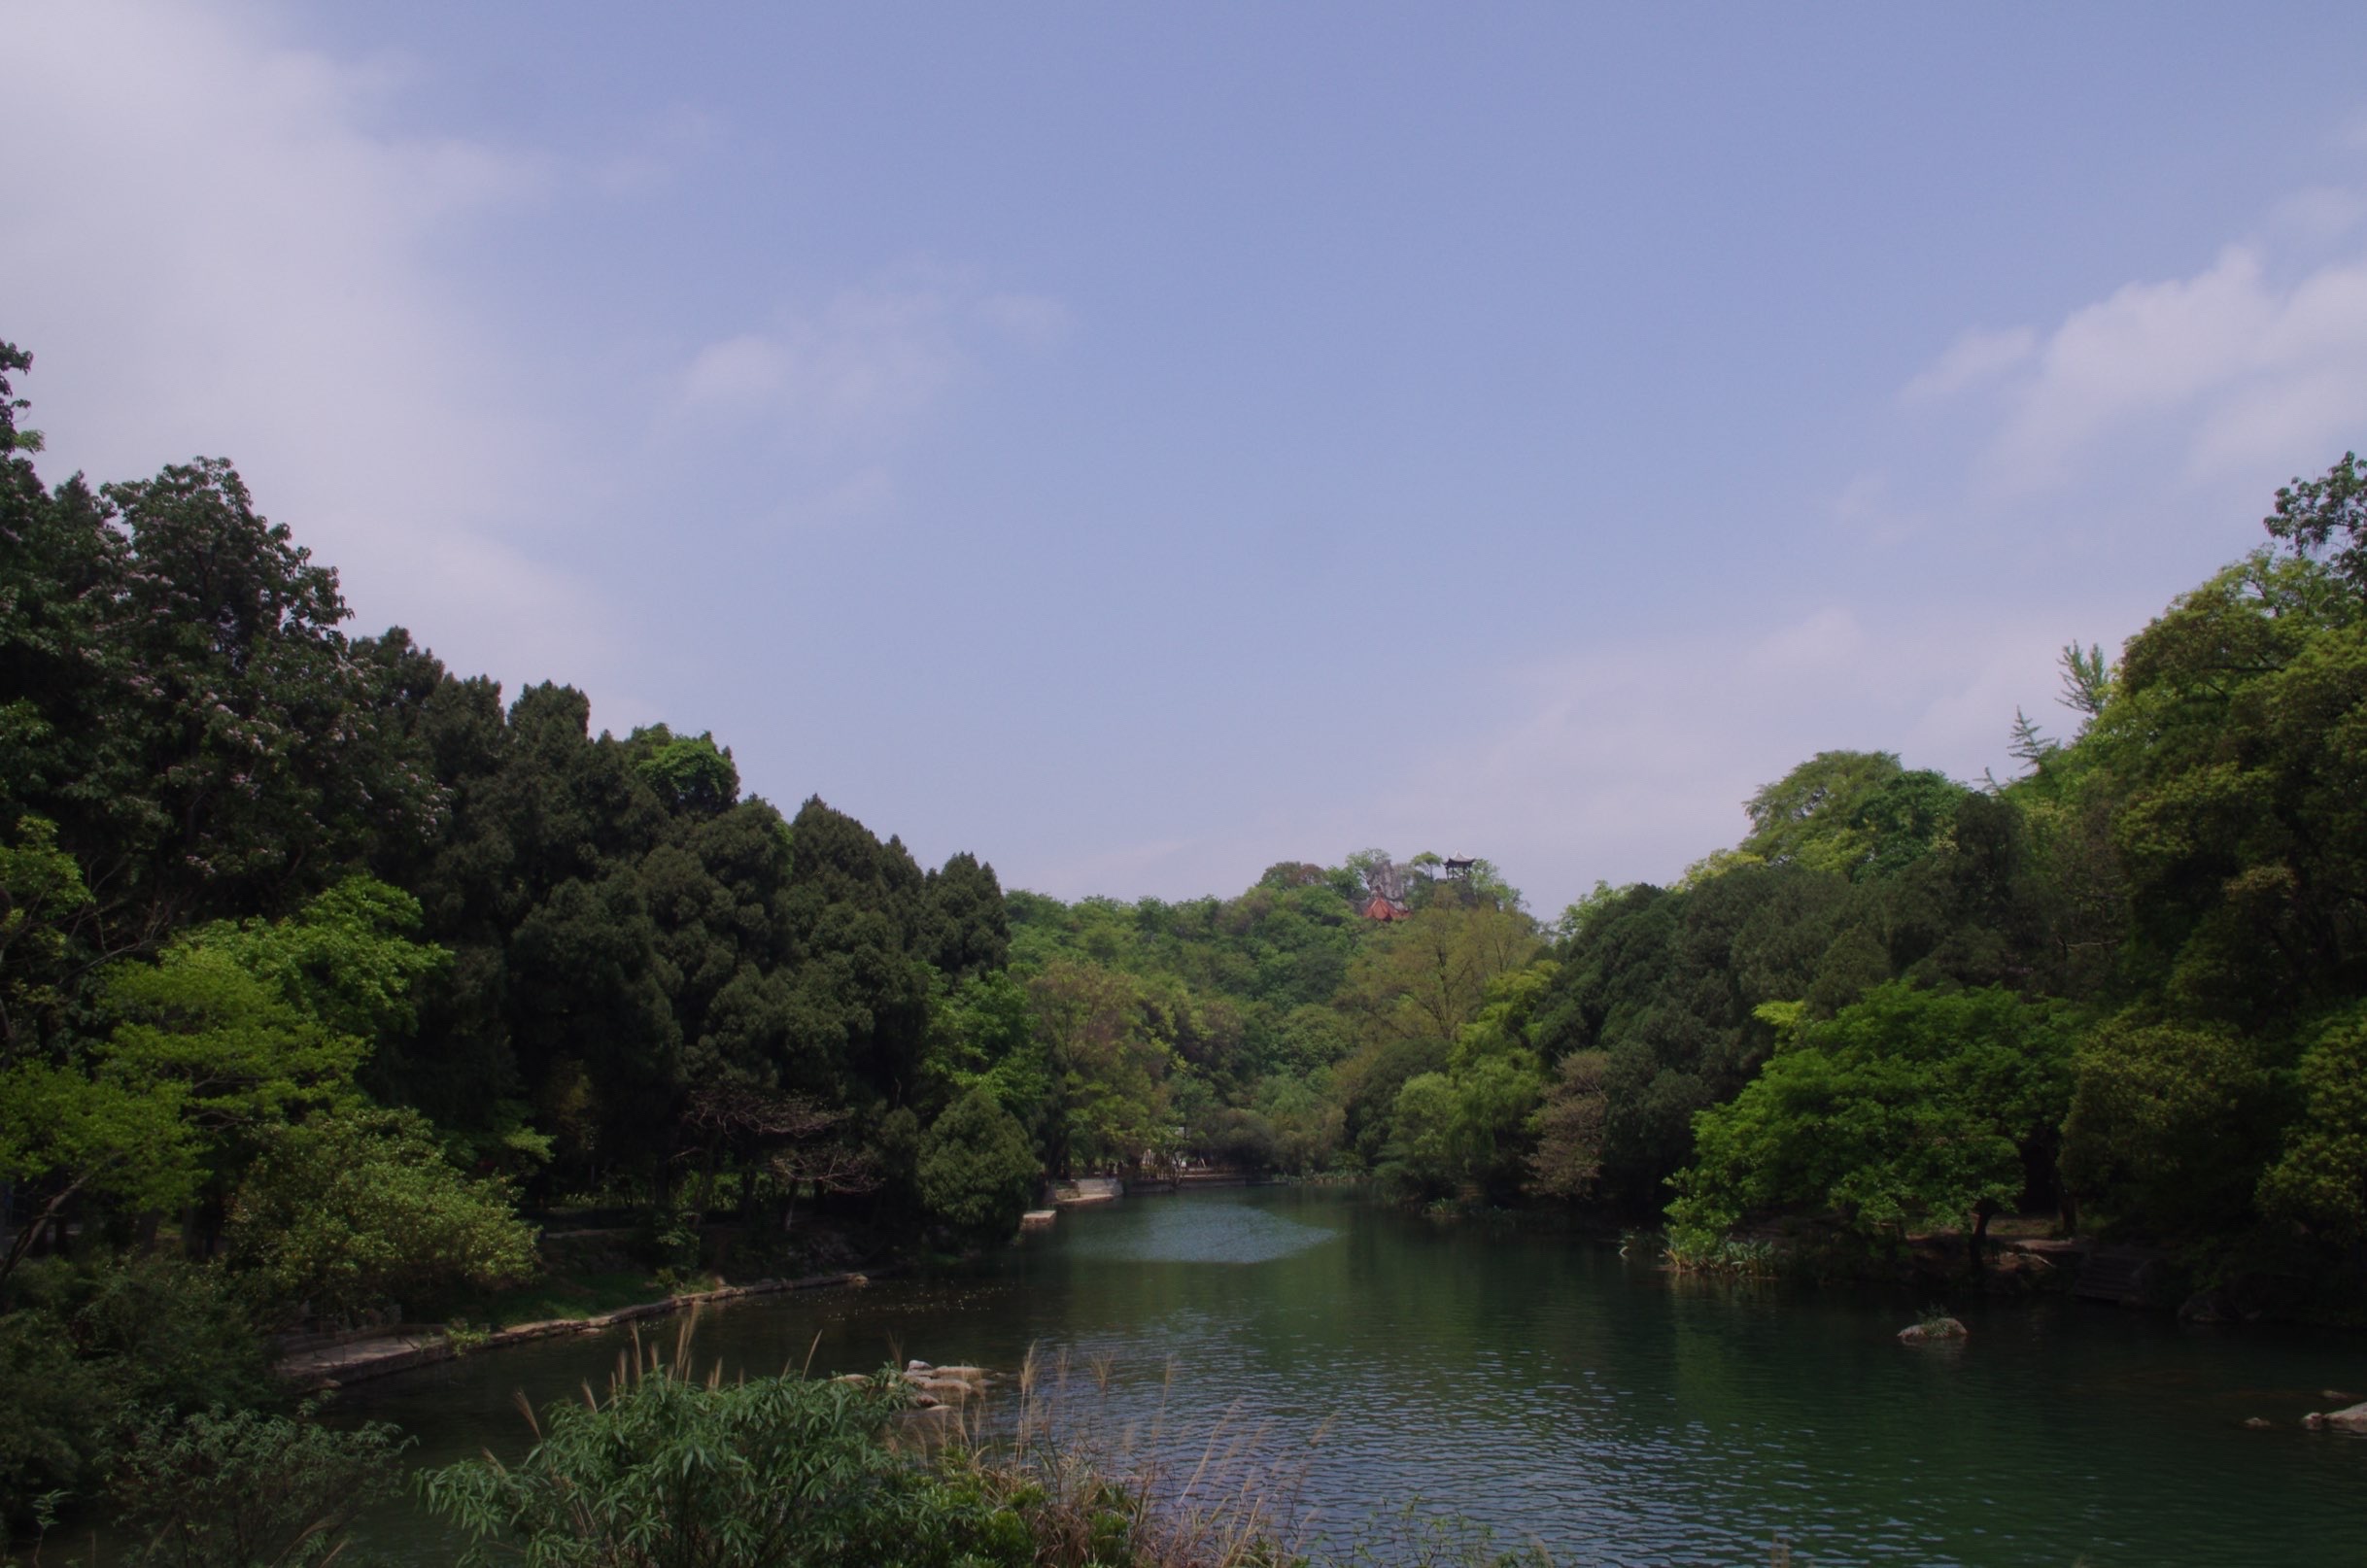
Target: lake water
x=1550 y=1388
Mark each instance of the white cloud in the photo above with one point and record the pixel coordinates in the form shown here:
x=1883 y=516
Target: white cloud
x=1628 y=762
x=2151 y=348
x=2236 y=370
x=1973 y=357
x=825 y=400
x=859 y=372
x=1824 y=641
x=1631 y=763
x=208 y=250
x=1866 y=510
x=736 y=373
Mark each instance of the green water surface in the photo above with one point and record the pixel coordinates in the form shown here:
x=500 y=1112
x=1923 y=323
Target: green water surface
x=1362 y=1361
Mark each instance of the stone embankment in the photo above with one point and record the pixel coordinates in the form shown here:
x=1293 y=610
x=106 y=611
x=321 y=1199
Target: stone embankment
x=357 y=1358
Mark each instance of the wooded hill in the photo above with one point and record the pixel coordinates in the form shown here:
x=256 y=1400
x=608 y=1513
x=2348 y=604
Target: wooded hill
x=320 y=959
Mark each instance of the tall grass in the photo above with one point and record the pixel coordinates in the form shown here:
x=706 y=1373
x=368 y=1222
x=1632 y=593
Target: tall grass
x=1096 y=1485
x=1690 y=1249
x=1067 y=1463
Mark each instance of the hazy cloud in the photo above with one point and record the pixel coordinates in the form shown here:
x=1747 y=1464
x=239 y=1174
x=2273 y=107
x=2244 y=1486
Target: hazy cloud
x=1629 y=761
x=1031 y=320
x=213 y=252
x=1973 y=357
x=861 y=371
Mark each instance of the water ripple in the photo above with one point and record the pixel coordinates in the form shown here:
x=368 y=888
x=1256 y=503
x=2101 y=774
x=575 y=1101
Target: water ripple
x=1555 y=1391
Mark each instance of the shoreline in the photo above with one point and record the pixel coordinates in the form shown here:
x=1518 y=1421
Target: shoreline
x=364 y=1358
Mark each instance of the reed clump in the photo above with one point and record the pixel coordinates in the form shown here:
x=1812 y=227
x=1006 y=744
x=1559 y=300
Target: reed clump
x=1069 y=1462
x=1092 y=1486
x=675 y=1463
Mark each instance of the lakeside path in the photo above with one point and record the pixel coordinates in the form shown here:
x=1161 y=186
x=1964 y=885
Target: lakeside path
x=327 y=1367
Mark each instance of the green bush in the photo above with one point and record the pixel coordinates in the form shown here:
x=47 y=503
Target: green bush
x=667 y=1471
x=229 y=1490
x=91 y=1350
x=344 y=1211
x=674 y=1243
x=53 y=1415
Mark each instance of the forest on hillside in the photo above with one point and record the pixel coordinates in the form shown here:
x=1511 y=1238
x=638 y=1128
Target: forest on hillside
x=322 y=965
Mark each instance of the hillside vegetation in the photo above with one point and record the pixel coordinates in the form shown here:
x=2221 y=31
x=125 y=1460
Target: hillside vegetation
x=319 y=963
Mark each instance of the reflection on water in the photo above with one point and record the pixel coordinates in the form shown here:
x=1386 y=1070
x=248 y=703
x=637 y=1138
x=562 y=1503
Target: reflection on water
x=1167 y=1231
x=1552 y=1389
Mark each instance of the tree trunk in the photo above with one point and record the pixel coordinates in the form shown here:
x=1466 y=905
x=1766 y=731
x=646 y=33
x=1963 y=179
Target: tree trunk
x=33 y=1230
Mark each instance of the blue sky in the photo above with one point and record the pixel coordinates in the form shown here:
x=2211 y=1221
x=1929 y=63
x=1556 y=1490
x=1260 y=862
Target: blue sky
x=1139 y=446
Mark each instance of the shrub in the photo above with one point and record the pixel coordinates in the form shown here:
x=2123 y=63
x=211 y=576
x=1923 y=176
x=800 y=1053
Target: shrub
x=346 y=1208
x=217 y=1490
x=665 y=1471
x=92 y=1350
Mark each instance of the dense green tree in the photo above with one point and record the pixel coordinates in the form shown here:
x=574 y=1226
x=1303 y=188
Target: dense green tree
x=978 y=1174
x=1567 y=1160
x=965 y=930
x=349 y=1211
x=2241 y=723
x=236 y=1027
x=1108 y=1066
x=1815 y=815
x=2170 y=1126
x=689 y=775
x=2319 y=1180
x=2327 y=518
x=1907 y=1108
x=985 y=1034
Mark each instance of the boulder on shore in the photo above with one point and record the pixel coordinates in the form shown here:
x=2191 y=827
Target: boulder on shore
x=1931 y=1331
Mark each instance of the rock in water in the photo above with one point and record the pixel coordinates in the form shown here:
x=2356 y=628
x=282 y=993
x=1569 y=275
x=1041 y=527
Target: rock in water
x=1931 y=1331
x=2349 y=1418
